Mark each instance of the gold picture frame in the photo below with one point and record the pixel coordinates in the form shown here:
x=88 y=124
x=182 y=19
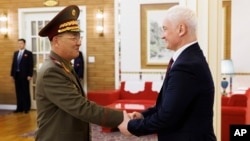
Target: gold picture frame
x=153 y=49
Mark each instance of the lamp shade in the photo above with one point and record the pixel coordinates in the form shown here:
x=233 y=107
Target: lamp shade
x=227 y=67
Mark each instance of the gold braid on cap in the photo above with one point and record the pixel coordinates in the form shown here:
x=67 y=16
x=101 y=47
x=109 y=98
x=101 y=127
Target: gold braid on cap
x=76 y=28
x=69 y=23
x=68 y=26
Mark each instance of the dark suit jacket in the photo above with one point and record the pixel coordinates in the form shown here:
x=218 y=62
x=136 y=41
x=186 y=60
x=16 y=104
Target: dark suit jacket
x=26 y=65
x=63 y=111
x=184 y=107
x=79 y=65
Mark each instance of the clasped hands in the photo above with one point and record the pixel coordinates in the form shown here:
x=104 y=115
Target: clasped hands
x=126 y=118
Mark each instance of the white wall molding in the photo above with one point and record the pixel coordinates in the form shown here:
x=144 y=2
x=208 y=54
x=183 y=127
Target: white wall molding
x=7 y=107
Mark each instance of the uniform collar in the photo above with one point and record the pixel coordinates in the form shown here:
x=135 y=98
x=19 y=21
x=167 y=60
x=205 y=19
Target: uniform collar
x=59 y=61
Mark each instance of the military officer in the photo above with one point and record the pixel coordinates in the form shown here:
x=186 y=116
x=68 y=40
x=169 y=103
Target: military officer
x=63 y=111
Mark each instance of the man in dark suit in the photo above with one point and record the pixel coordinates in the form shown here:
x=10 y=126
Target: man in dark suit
x=79 y=66
x=184 y=107
x=21 y=72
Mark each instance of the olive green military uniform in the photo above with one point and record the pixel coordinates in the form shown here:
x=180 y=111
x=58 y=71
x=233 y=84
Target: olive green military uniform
x=63 y=111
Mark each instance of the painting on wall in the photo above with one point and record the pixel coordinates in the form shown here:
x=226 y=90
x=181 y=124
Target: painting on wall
x=154 y=54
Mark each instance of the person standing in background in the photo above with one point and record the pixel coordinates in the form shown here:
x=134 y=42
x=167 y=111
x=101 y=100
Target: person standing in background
x=184 y=107
x=21 y=73
x=79 y=66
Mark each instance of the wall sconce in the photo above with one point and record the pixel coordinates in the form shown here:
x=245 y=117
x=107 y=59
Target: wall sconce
x=99 y=22
x=4 y=24
x=50 y=2
x=227 y=68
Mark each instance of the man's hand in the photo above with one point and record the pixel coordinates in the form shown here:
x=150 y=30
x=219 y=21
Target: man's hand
x=123 y=126
x=135 y=115
x=29 y=78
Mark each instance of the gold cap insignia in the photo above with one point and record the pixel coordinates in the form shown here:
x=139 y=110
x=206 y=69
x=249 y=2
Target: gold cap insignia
x=73 y=12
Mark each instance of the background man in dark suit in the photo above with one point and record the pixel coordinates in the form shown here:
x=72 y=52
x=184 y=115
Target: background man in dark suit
x=184 y=107
x=21 y=72
x=79 y=66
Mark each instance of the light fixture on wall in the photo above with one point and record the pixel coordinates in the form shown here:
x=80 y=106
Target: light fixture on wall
x=99 y=22
x=4 y=24
x=227 y=68
x=50 y=2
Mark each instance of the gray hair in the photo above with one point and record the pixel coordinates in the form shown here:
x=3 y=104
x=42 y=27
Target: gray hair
x=179 y=13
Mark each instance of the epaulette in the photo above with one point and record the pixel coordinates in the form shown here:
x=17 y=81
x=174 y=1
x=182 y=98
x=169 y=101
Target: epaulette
x=60 y=64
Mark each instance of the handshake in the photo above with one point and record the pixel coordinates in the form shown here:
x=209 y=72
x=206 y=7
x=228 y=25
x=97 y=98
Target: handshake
x=126 y=117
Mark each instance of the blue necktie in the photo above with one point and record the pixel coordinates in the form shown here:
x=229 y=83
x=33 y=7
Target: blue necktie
x=19 y=57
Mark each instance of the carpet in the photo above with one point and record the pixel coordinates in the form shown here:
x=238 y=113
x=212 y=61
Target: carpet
x=29 y=134
x=98 y=135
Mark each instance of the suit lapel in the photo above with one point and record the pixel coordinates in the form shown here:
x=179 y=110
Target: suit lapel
x=190 y=48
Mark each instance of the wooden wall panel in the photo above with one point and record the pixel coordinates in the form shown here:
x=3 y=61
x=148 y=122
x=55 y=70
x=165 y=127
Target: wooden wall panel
x=100 y=74
x=227 y=29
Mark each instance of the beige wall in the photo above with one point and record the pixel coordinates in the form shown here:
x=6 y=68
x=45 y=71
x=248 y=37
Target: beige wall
x=100 y=74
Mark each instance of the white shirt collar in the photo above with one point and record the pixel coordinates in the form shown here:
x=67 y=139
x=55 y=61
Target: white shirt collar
x=21 y=50
x=180 y=50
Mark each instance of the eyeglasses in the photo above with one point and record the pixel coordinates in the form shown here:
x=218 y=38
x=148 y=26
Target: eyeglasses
x=75 y=38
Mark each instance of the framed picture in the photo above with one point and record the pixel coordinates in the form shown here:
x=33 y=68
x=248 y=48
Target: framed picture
x=154 y=54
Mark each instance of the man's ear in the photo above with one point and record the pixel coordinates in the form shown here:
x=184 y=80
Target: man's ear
x=182 y=29
x=55 y=41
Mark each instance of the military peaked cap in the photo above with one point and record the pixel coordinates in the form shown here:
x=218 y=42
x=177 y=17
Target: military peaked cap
x=64 y=21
